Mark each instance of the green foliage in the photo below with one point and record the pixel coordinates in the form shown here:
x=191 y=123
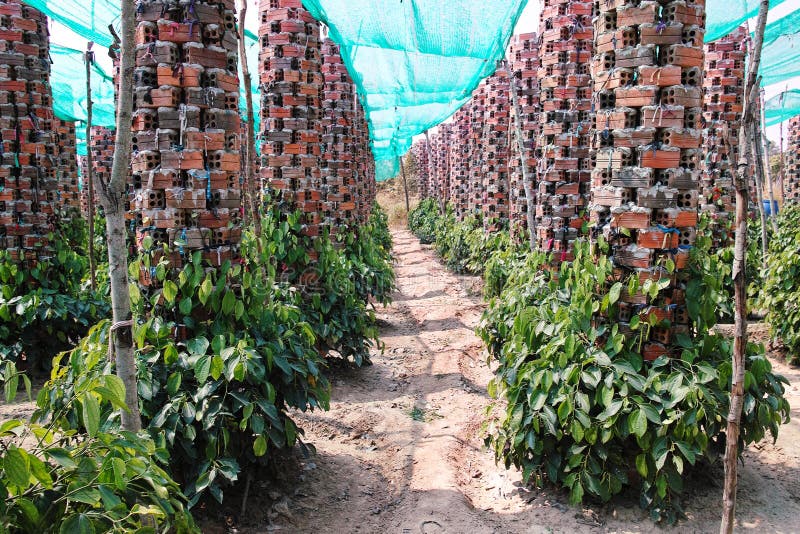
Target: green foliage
x=423 y=221
x=98 y=481
x=223 y=354
x=781 y=296
x=44 y=307
x=463 y=245
x=583 y=410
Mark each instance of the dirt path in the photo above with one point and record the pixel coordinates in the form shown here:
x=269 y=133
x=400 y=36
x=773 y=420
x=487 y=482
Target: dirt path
x=401 y=449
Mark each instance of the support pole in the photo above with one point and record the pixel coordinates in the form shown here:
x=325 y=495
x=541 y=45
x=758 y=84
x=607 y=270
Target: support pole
x=89 y=61
x=253 y=201
x=740 y=283
x=767 y=169
x=755 y=140
x=527 y=181
x=405 y=184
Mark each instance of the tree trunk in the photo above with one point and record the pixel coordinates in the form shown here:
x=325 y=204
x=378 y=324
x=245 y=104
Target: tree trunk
x=527 y=181
x=405 y=185
x=252 y=199
x=89 y=60
x=740 y=284
x=113 y=198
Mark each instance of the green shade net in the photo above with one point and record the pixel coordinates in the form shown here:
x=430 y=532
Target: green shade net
x=780 y=57
x=724 y=16
x=415 y=62
x=782 y=107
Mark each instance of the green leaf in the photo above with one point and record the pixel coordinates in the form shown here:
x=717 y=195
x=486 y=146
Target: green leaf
x=613 y=293
x=610 y=411
x=185 y=306
x=40 y=472
x=61 y=456
x=202 y=369
x=113 y=390
x=17 y=467
x=170 y=291
x=641 y=465
x=118 y=465
x=217 y=367
x=205 y=291
x=228 y=302
x=91 y=413
x=77 y=524
x=197 y=346
x=174 y=383
x=637 y=422
x=260 y=446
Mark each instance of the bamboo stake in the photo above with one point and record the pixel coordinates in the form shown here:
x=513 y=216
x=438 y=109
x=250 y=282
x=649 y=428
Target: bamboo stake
x=759 y=179
x=740 y=285
x=527 y=180
x=88 y=59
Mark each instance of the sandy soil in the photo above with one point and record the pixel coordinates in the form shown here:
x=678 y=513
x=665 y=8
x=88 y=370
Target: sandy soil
x=401 y=449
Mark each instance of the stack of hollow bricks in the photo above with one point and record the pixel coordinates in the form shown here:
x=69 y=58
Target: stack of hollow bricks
x=338 y=140
x=564 y=173
x=495 y=151
x=476 y=148
x=291 y=82
x=723 y=91
x=440 y=161
x=185 y=184
x=648 y=71
x=366 y=187
x=524 y=64
x=791 y=181
x=68 y=194
x=460 y=163
x=419 y=152
x=101 y=143
x=29 y=181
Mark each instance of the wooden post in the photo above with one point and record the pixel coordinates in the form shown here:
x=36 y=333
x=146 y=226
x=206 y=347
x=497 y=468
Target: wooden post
x=740 y=283
x=253 y=201
x=755 y=140
x=113 y=198
x=767 y=171
x=88 y=59
x=405 y=184
x=527 y=181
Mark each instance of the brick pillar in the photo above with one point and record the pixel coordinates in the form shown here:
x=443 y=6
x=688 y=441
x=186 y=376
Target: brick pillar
x=66 y=162
x=791 y=180
x=441 y=142
x=523 y=57
x=476 y=146
x=364 y=166
x=186 y=167
x=459 y=158
x=338 y=140
x=496 y=145
x=647 y=82
x=29 y=181
x=566 y=121
x=723 y=102
x=291 y=81
x=420 y=152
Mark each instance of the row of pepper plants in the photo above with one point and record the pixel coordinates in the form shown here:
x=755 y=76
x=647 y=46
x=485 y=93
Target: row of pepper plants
x=578 y=407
